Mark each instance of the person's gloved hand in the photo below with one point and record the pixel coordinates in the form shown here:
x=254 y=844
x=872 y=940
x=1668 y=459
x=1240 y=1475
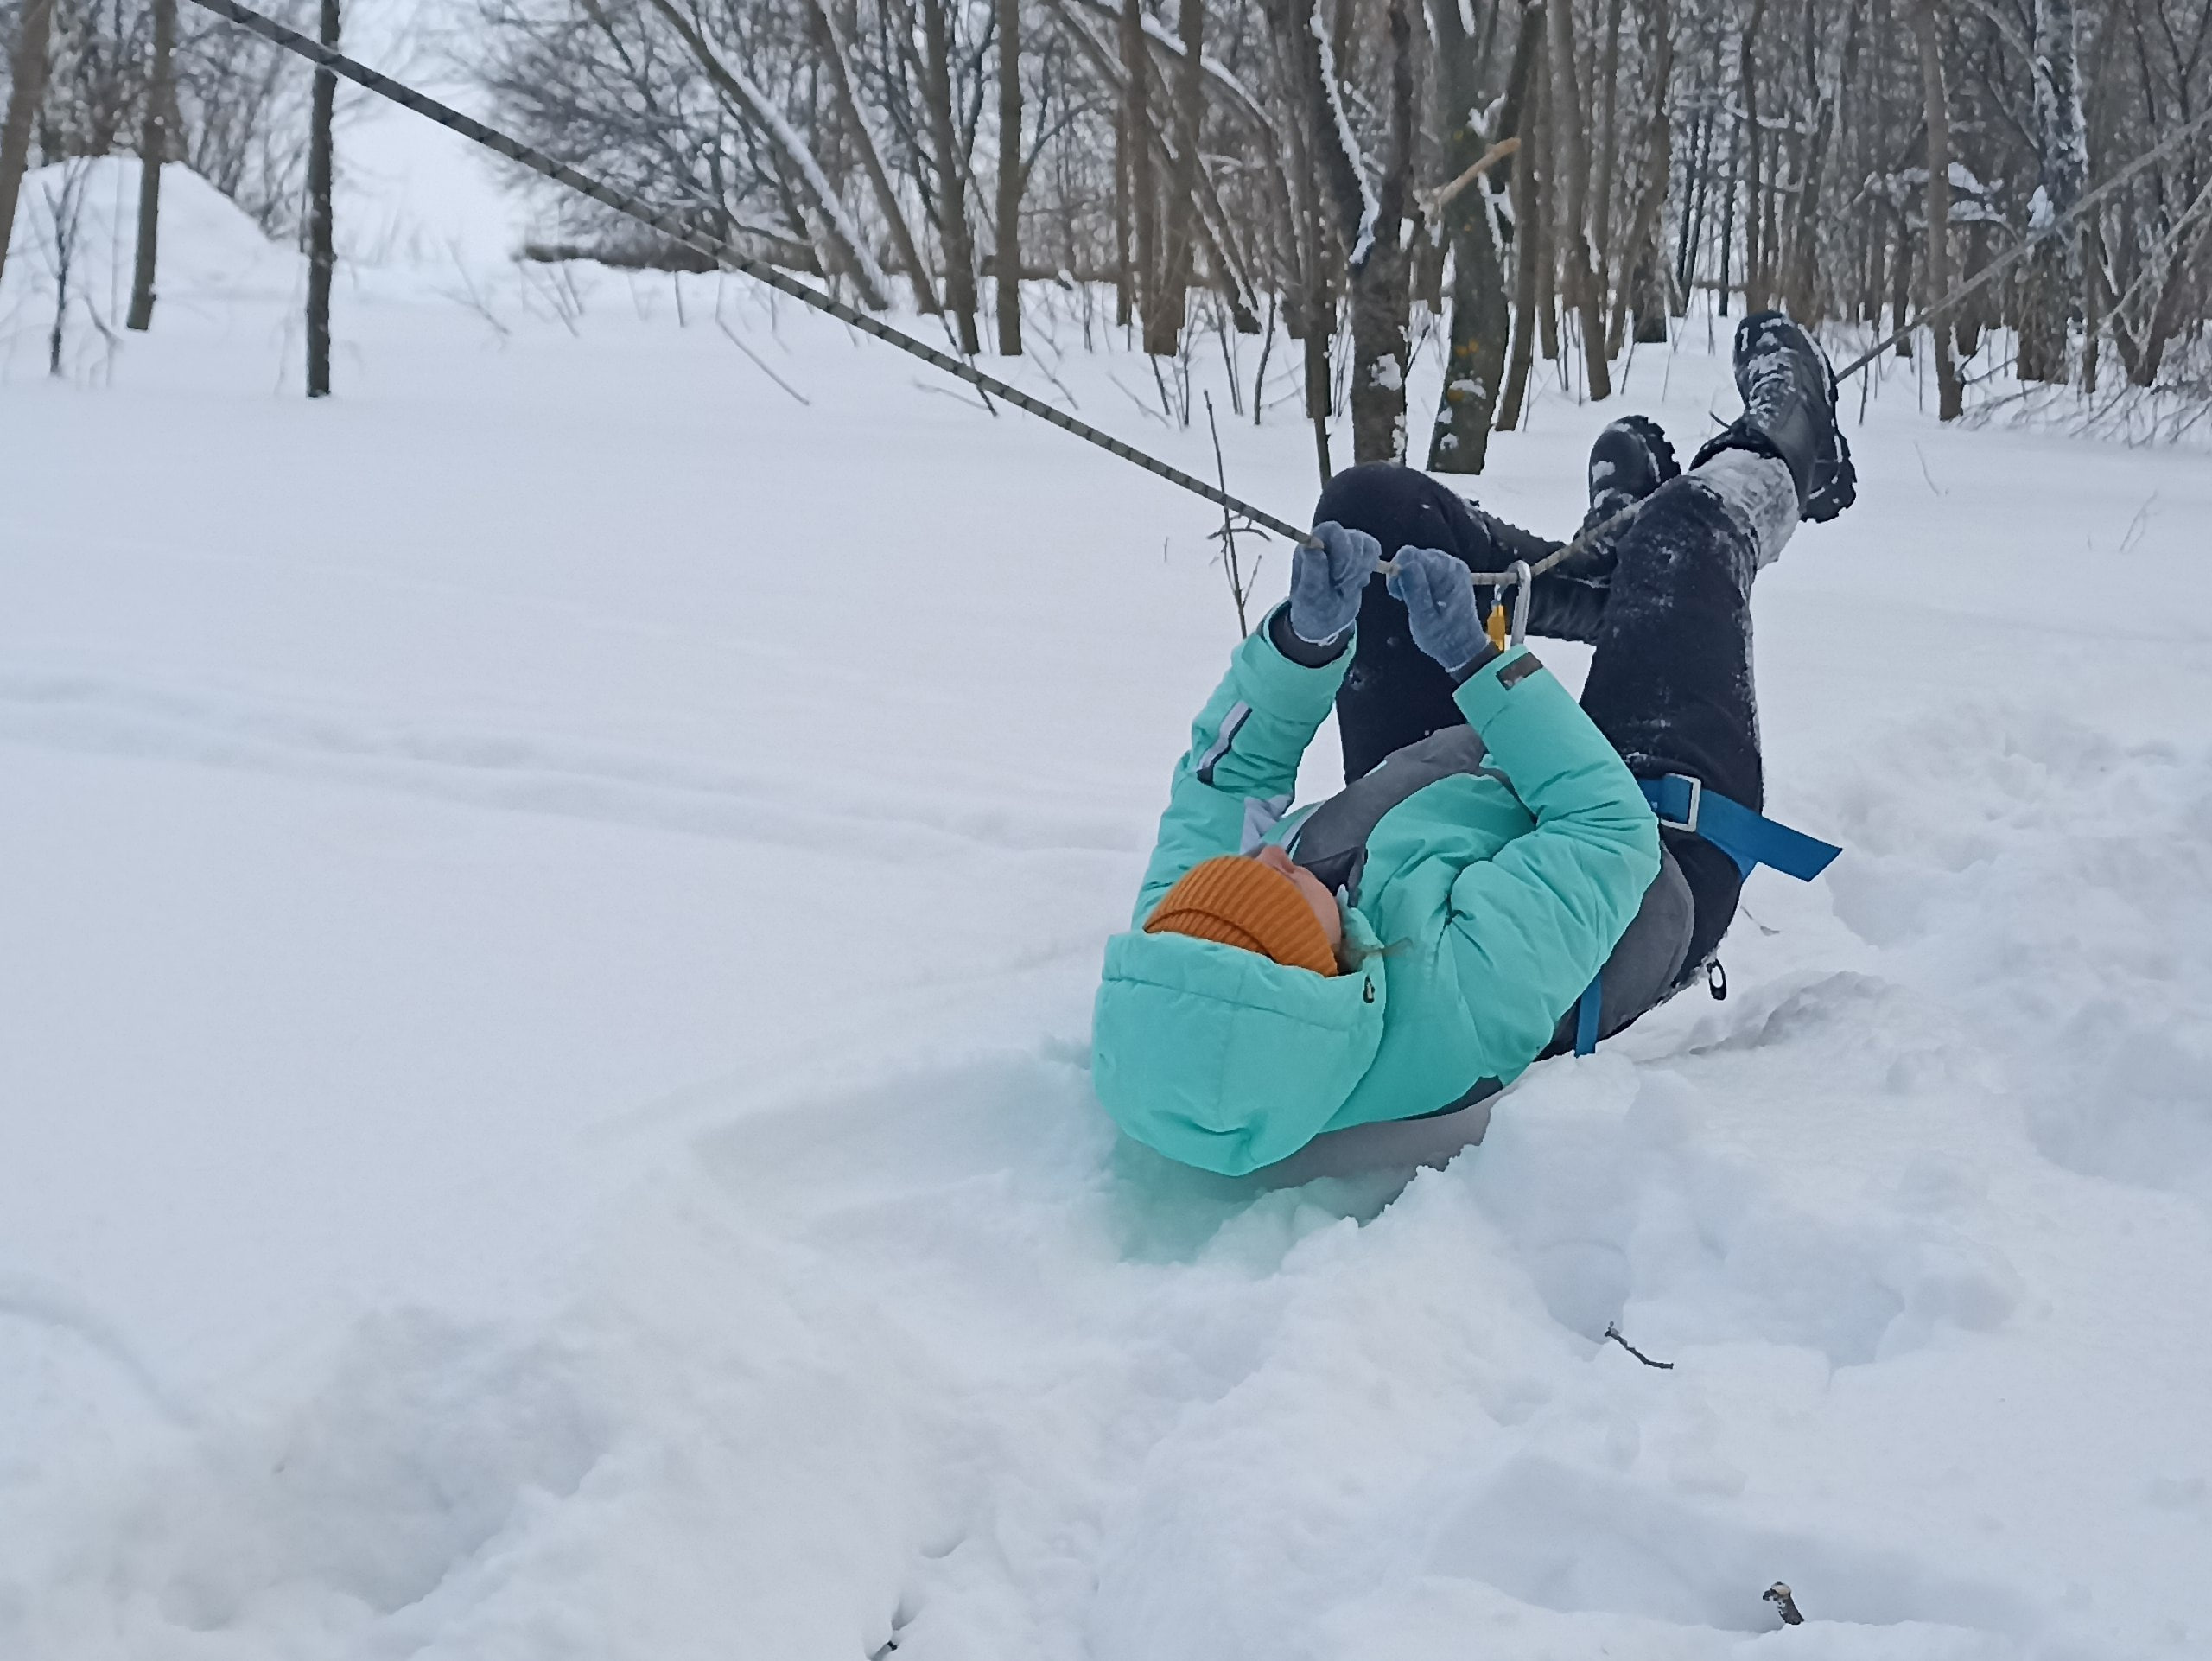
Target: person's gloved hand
x=1439 y=606
x=1325 y=582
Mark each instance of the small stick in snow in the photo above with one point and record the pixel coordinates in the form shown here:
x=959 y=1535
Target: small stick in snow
x=1239 y=585
x=1613 y=1332
x=761 y=364
x=2136 y=525
x=1782 y=1598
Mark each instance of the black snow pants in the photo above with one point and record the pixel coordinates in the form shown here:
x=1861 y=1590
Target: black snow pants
x=1670 y=686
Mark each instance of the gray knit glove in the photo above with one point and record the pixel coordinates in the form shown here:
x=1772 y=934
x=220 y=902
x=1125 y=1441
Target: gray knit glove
x=1439 y=606
x=1326 y=582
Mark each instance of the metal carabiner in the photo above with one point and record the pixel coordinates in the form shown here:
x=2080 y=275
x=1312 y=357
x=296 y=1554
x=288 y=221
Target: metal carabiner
x=1522 y=579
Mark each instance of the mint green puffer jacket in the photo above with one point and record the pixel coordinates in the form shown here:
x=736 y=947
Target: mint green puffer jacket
x=1483 y=910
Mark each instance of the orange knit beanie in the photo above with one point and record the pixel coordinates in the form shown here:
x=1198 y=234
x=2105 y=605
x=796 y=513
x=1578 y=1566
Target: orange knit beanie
x=1241 y=903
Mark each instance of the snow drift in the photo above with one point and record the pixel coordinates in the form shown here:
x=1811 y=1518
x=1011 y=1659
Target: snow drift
x=551 y=906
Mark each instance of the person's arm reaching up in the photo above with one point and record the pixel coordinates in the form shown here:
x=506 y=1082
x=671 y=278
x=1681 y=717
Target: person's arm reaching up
x=1529 y=928
x=1236 y=779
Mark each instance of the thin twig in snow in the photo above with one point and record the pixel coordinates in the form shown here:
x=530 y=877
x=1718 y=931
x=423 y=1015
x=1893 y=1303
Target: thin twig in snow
x=1613 y=1332
x=1150 y=413
x=2138 y=526
x=761 y=364
x=1239 y=588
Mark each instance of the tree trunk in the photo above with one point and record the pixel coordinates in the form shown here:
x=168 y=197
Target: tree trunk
x=1728 y=215
x=1009 y=226
x=1803 y=284
x=1316 y=303
x=1381 y=294
x=1480 y=315
x=153 y=152
x=1690 y=233
x=952 y=175
x=1649 y=308
x=837 y=240
x=1605 y=261
x=1321 y=333
x=1144 y=198
x=322 y=257
x=2176 y=254
x=1369 y=221
x=1640 y=249
x=1546 y=233
x=1571 y=159
x=1528 y=218
x=1867 y=305
x=834 y=52
x=1747 y=75
x=1901 y=286
x=66 y=211
x=26 y=92
x=1947 y=397
x=1125 y=277
x=1967 y=322
x=2092 y=325
x=2054 y=270
x=1163 y=327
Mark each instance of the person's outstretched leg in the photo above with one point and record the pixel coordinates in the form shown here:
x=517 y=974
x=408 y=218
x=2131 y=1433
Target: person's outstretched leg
x=1671 y=683
x=1670 y=686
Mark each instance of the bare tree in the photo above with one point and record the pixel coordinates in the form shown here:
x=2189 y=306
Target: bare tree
x=1369 y=219
x=153 y=154
x=1529 y=212
x=837 y=57
x=844 y=247
x=1765 y=151
x=1579 y=281
x=1008 y=251
x=64 y=212
x=1948 y=395
x=950 y=198
x=322 y=257
x=1641 y=264
x=1164 y=325
x=26 y=72
x=1472 y=219
x=1144 y=197
x=1747 y=84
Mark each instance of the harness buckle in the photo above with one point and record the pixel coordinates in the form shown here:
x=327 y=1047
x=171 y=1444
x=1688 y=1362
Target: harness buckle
x=1689 y=819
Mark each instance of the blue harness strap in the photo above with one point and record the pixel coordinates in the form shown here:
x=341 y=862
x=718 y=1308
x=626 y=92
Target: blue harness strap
x=1586 y=1017
x=1683 y=803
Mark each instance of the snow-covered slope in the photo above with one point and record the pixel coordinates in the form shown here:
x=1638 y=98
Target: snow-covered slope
x=547 y=909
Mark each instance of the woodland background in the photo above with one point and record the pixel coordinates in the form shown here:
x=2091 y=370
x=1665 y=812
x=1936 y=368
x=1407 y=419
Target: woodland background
x=1541 y=182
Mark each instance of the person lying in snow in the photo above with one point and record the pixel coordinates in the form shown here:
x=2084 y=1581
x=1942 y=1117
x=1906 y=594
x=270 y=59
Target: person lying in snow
x=1410 y=945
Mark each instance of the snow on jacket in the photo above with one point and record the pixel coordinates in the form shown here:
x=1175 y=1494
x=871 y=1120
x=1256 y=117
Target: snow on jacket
x=1485 y=902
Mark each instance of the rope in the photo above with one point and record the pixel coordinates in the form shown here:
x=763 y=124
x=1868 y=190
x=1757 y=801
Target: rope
x=1987 y=274
x=2034 y=240
x=722 y=254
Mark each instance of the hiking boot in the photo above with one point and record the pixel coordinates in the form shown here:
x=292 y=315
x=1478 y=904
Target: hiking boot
x=1789 y=413
x=1630 y=460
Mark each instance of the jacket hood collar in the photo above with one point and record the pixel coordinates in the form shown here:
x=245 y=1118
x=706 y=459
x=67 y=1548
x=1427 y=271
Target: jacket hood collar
x=1222 y=1059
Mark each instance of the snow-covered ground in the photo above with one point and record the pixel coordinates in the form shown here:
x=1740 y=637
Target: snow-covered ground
x=548 y=912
